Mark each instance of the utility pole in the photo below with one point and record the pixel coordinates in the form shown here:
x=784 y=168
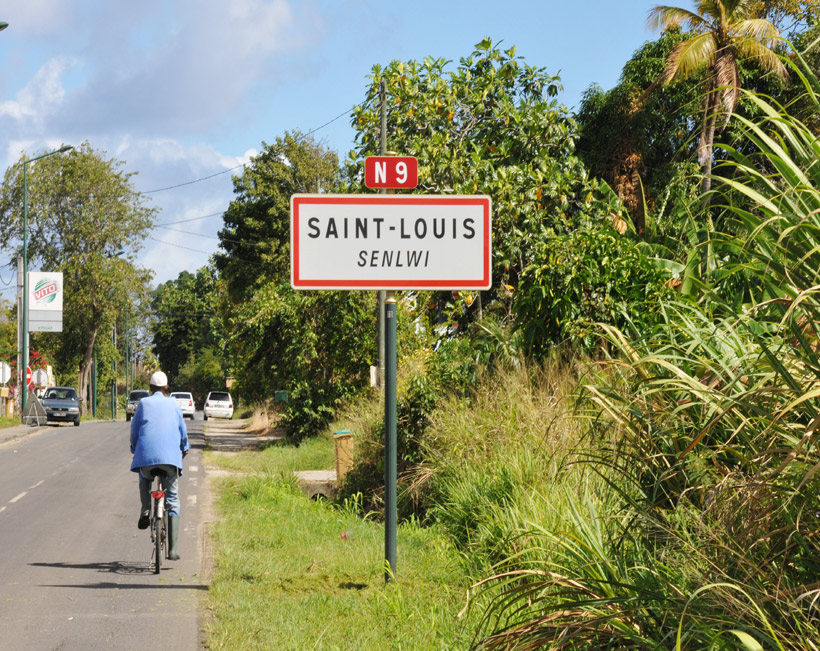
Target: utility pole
x=20 y=371
x=382 y=293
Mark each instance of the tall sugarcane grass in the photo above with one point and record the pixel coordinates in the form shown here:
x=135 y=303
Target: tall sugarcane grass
x=706 y=433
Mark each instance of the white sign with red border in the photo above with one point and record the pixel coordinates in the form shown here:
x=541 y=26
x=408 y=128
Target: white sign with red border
x=412 y=241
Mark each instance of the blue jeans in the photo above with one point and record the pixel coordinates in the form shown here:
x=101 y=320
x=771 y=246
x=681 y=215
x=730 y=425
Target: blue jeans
x=170 y=483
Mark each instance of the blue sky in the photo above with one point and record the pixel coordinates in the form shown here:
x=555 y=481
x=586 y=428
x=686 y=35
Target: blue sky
x=185 y=89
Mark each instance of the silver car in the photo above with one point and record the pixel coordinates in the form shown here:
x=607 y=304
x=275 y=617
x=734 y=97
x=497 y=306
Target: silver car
x=218 y=404
x=133 y=400
x=186 y=403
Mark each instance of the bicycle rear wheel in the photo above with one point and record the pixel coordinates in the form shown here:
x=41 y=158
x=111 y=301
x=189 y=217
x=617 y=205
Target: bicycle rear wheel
x=159 y=534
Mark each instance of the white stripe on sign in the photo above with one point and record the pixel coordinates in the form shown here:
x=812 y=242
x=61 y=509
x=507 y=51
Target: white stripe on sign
x=21 y=495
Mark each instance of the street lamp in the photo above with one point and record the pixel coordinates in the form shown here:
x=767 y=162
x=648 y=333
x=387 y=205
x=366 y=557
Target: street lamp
x=24 y=365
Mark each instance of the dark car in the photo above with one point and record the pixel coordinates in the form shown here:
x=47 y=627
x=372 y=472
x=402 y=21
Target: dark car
x=133 y=400
x=62 y=404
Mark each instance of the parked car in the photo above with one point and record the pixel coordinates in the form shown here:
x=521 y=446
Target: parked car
x=186 y=403
x=218 y=404
x=62 y=404
x=133 y=400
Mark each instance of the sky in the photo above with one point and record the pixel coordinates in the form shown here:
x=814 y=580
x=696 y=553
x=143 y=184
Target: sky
x=186 y=91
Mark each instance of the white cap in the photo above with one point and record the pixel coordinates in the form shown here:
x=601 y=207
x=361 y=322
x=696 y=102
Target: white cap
x=159 y=379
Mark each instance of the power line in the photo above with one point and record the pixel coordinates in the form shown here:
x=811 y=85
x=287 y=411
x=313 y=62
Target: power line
x=187 y=248
x=204 y=178
x=211 y=176
x=192 y=219
x=179 y=246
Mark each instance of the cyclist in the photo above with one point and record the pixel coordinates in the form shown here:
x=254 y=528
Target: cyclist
x=159 y=439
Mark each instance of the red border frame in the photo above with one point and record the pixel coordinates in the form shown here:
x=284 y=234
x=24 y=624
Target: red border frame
x=298 y=200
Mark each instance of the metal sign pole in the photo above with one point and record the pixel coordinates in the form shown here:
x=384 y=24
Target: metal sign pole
x=382 y=293
x=390 y=478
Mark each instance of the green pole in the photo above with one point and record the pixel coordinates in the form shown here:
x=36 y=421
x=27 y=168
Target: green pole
x=127 y=355
x=25 y=163
x=94 y=387
x=390 y=477
x=25 y=288
x=114 y=382
x=383 y=151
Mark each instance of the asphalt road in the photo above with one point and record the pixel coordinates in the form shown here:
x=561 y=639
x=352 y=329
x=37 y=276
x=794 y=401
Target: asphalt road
x=75 y=572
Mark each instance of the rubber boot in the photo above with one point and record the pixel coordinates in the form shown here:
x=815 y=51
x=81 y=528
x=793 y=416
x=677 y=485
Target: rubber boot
x=173 y=537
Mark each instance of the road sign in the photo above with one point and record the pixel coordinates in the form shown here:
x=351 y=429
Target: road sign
x=413 y=241
x=394 y=172
x=40 y=378
x=5 y=372
x=28 y=376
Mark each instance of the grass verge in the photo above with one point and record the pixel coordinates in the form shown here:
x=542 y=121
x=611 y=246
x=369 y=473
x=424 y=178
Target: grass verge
x=286 y=578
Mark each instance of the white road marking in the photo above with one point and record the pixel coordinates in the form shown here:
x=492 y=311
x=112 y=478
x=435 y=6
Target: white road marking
x=193 y=468
x=192 y=499
x=21 y=495
x=2 y=508
x=42 y=481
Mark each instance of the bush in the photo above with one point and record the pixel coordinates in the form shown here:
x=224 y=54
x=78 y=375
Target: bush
x=589 y=276
x=317 y=346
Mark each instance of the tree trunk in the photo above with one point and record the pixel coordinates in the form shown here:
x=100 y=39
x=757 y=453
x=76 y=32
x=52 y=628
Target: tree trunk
x=85 y=367
x=707 y=139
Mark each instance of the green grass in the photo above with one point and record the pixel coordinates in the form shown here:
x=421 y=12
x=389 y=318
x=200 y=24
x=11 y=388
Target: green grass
x=9 y=421
x=285 y=578
x=279 y=459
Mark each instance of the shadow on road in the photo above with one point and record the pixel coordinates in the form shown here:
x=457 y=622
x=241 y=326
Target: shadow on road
x=107 y=585
x=112 y=567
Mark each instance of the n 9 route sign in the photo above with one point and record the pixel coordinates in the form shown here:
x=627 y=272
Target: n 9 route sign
x=391 y=172
x=389 y=241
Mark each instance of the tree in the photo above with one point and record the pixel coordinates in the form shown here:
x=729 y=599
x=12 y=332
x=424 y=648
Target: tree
x=635 y=143
x=492 y=126
x=318 y=346
x=86 y=220
x=256 y=236
x=724 y=31
x=791 y=17
x=186 y=319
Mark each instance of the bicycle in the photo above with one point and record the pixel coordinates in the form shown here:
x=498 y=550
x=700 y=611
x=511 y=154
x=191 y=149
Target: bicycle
x=159 y=521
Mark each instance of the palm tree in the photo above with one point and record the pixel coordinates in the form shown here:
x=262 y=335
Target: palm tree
x=724 y=32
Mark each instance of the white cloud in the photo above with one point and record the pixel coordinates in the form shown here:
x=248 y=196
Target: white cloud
x=38 y=18
x=187 y=66
x=42 y=96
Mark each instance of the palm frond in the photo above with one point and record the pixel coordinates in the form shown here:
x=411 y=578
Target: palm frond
x=663 y=17
x=690 y=57
x=758 y=29
x=762 y=56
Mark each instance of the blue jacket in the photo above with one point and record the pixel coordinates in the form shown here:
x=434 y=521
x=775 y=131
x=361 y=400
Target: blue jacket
x=158 y=433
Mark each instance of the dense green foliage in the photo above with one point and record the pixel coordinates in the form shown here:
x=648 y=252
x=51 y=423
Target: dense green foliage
x=86 y=220
x=491 y=126
x=256 y=236
x=316 y=346
x=618 y=437
x=188 y=329
x=637 y=143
